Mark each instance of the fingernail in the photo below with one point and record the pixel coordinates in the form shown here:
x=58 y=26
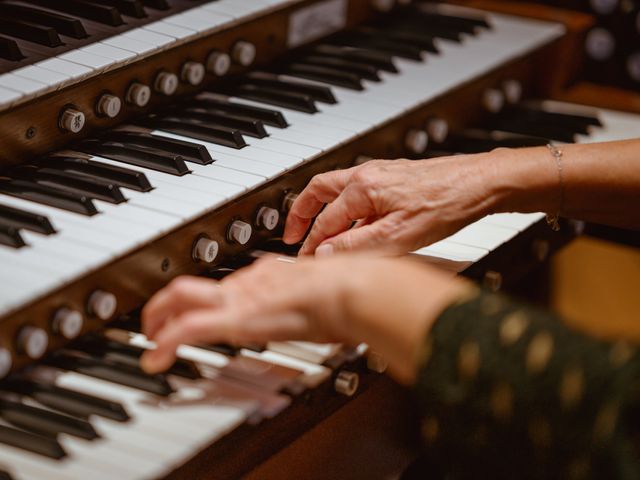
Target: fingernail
x=325 y=250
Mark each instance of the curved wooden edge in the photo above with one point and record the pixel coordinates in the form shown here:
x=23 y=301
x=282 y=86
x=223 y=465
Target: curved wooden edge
x=601 y=96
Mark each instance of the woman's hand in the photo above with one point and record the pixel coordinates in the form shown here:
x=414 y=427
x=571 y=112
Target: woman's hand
x=399 y=205
x=389 y=304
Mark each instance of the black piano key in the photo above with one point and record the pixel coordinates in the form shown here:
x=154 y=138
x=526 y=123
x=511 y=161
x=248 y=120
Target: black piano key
x=175 y=125
x=387 y=45
x=71 y=402
x=466 y=24
x=365 y=71
x=111 y=372
x=222 y=348
x=63 y=24
x=420 y=39
x=45 y=195
x=129 y=355
x=132 y=8
x=45 y=446
x=246 y=126
x=10 y=236
x=9 y=50
x=30 y=31
x=85 y=9
x=26 y=220
x=319 y=93
x=157 y=4
x=328 y=75
x=191 y=152
x=136 y=155
x=477 y=141
x=4 y=475
x=580 y=123
x=380 y=60
x=91 y=187
x=268 y=116
x=124 y=177
x=44 y=422
x=414 y=25
x=270 y=96
x=550 y=132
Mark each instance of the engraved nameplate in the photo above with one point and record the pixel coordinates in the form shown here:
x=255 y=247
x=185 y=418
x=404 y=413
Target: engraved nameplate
x=317 y=21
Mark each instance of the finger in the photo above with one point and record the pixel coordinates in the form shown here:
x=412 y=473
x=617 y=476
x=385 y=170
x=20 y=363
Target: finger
x=182 y=294
x=322 y=189
x=374 y=236
x=351 y=205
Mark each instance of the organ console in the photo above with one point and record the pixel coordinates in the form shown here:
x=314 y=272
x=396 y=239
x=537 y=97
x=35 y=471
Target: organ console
x=145 y=139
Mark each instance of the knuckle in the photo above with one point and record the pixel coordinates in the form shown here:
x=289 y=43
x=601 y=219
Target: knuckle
x=180 y=286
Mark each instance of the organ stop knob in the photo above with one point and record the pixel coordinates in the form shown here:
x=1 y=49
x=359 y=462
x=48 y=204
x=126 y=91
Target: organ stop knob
x=206 y=250
x=33 y=341
x=218 y=63
x=243 y=53
x=416 y=141
x=6 y=362
x=68 y=323
x=138 y=95
x=267 y=218
x=240 y=232
x=109 y=106
x=346 y=383
x=72 y=120
x=102 y=304
x=193 y=73
x=166 y=83
x=437 y=129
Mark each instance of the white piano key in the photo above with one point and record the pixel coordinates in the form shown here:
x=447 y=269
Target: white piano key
x=308 y=139
x=116 y=54
x=485 y=236
x=95 y=62
x=310 y=352
x=280 y=146
x=27 y=88
x=234 y=9
x=72 y=70
x=8 y=97
x=130 y=44
x=160 y=40
x=164 y=28
x=518 y=221
x=53 y=80
x=453 y=251
x=228 y=175
x=313 y=374
x=199 y=20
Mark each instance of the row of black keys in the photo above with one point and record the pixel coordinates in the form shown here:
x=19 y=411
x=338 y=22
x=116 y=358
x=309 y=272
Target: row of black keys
x=52 y=24
x=25 y=24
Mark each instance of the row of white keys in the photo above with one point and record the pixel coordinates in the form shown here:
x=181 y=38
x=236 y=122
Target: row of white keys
x=311 y=352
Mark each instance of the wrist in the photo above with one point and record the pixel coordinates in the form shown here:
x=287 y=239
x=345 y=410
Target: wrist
x=523 y=180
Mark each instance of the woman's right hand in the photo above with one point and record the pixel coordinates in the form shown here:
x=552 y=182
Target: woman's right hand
x=399 y=205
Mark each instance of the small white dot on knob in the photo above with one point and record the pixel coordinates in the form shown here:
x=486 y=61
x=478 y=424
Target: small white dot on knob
x=244 y=53
x=383 y=5
x=109 y=106
x=218 y=63
x=139 y=95
x=240 y=232
x=193 y=73
x=6 y=362
x=268 y=218
x=417 y=141
x=33 y=341
x=166 y=83
x=347 y=383
x=102 y=304
x=493 y=100
x=438 y=129
x=206 y=250
x=72 y=120
x=68 y=323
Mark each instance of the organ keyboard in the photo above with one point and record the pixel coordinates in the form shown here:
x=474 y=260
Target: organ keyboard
x=139 y=146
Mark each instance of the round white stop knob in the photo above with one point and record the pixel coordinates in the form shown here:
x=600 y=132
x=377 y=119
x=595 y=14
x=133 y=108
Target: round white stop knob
x=193 y=73
x=6 y=362
x=268 y=218
x=218 y=63
x=240 y=232
x=206 y=250
x=383 y=5
x=243 y=53
x=166 y=83
x=138 y=95
x=33 y=341
x=72 y=120
x=438 y=129
x=102 y=304
x=416 y=141
x=493 y=100
x=68 y=323
x=346 y=383
x=512 y=91
x=109 y=106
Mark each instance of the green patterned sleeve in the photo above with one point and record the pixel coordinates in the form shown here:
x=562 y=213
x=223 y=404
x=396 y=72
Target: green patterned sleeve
x=510 y=390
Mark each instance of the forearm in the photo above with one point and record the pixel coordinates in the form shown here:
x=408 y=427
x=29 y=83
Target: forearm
x=601 y=182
